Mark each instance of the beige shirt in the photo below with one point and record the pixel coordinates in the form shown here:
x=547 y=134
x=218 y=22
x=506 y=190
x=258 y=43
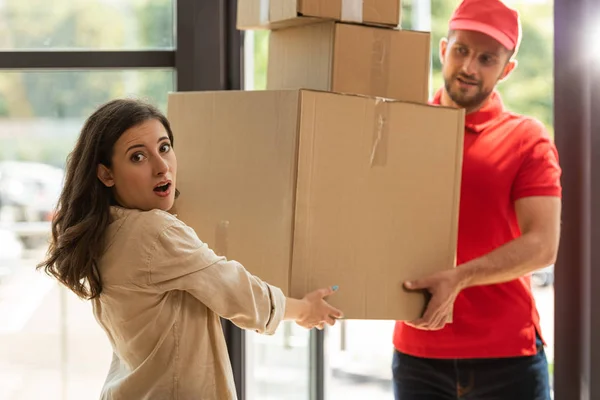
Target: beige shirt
x=163 y=293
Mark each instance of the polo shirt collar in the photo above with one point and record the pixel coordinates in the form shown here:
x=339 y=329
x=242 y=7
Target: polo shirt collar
x=477 y=121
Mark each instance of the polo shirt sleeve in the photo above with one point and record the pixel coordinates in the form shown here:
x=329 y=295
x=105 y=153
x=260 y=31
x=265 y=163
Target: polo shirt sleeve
x=181 y=261
x=539 y=172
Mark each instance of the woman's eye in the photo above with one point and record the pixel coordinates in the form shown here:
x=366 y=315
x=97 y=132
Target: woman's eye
x=165 y=147
x=137 y=157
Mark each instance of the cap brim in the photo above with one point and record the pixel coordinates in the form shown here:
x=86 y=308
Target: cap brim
x=494 y=33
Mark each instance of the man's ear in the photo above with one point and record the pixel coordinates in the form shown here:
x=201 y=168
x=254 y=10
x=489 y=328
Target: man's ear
x=508 y=69
x=105 y=175
x=443 y=47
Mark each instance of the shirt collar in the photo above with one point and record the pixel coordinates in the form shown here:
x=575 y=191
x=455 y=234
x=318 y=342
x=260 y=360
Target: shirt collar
x=477 y=121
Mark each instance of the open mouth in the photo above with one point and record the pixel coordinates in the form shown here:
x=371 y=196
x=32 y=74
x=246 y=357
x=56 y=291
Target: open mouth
x=162 y=188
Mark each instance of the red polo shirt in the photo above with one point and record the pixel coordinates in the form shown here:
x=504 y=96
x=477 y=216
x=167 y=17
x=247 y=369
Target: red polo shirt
x=506 y=157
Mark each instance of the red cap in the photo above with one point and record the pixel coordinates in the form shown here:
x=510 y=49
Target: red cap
x=490 y=17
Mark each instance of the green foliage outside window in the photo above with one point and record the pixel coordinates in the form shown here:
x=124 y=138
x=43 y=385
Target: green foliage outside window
x=148 y=24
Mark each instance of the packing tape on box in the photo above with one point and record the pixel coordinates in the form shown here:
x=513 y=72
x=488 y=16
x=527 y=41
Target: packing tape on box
x=222 y=238
x=380 y=133
x=265 y=11
x=352 y=10
x=380 y=62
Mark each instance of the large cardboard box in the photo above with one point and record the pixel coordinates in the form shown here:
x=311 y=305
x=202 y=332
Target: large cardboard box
x=349 y=58
x=308 y=189
x=275 y=14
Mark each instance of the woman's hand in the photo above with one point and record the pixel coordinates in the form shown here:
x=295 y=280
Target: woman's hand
x=312 y=311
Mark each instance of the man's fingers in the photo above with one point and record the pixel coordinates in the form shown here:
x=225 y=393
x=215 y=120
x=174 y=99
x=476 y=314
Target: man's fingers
x=427 y=320
x=418 y=324
x=417 y=284
x=437 y=322
x=412 y=324
x=415 y=323
x=443 y=315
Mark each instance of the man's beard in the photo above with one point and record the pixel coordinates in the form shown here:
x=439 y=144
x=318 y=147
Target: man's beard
x=462 y=100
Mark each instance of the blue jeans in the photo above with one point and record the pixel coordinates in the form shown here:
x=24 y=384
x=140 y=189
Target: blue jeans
x=519 y=378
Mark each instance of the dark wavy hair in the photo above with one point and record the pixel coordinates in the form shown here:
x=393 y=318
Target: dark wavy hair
x=82 y=213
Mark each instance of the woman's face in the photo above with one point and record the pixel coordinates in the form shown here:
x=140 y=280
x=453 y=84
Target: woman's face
x=144 y=168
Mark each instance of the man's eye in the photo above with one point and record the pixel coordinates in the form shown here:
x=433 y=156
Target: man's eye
x=485 y=60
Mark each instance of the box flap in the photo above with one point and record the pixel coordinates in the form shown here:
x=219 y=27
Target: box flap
x=377 y=200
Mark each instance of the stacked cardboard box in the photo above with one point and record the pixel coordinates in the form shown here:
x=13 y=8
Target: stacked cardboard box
x=339 y=173
x=344 y=46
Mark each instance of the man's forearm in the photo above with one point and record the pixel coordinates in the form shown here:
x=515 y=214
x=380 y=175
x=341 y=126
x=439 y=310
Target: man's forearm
x=508 y=262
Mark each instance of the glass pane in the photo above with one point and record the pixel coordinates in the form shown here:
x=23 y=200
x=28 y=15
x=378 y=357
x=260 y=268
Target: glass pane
x=278 y=366
x=359 y=360
x=86 y=24
x=50 y=345
x=359 y=353
x=48 y=108
x=528 y=90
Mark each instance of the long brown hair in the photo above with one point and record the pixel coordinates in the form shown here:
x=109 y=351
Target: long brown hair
x=82 y=213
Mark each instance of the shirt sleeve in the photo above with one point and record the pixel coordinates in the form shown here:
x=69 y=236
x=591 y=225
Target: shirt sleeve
x=181 y=261
x=540 y=172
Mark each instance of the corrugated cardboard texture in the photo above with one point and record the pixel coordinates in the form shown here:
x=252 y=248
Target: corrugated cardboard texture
x=349 y=58
x=301 y=57
x=337 y=189
x=236 y=155
x=377 y=200
x=277 y=14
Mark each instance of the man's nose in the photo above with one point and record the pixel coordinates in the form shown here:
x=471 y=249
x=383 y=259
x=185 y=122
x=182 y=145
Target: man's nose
x=469 y=66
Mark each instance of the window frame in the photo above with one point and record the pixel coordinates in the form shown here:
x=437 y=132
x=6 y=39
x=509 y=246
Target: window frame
x=208 y=55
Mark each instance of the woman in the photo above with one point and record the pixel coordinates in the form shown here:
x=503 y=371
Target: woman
x=156 y=289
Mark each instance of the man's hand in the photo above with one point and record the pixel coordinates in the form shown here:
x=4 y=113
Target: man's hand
x=444 y=287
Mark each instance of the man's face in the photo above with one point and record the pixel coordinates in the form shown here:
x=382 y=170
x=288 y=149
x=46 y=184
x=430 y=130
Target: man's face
x=472 y=64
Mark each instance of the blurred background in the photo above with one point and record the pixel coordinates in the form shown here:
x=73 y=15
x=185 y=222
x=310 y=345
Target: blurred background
x=50 y=345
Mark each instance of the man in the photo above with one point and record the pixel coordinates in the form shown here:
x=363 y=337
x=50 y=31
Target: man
x=509 y=226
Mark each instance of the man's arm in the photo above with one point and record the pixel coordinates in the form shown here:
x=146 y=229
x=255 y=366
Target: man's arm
x=539 y=221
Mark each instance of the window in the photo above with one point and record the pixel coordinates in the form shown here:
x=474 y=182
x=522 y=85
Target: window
x=86 y=24
x=50 y=345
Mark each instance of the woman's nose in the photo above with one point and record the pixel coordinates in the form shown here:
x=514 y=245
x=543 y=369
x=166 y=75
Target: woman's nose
x=161 y=166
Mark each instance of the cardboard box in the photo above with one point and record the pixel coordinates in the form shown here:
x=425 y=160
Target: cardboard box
x=309 y=189
x=276 y=14
x=353 y=59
